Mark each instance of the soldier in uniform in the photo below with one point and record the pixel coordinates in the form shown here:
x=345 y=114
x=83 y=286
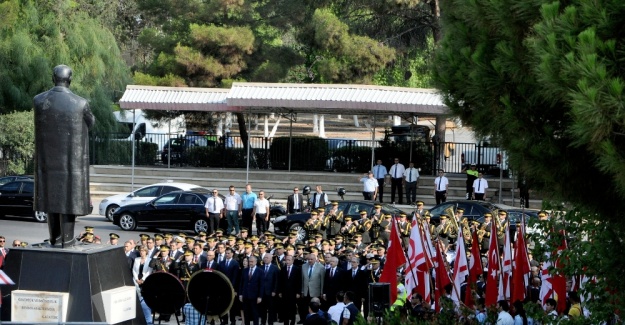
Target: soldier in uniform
x=502 y=223
x=312 y=225
x=113 y=239
x=420 y=210
x=349 y=229
x=431 y=227
x=372 y=276
x=186 y=268
x=385 y=228
x=359 y=245
x=483 y=233
x=404 y=228
x=444 y=231
x=338 y=243
x=164 y=263
x=377 y=213
x=335 y=219
x=364 y=227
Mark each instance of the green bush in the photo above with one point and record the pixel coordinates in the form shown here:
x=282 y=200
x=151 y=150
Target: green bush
x=308 y=153
x=354 y=158
x=107 y=152
x=216 y=157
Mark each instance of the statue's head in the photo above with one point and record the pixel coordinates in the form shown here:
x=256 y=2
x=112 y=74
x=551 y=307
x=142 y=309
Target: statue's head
x=62 y=75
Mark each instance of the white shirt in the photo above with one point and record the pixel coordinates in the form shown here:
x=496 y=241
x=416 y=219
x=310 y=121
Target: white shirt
x=261 y=206
x=397 y=170
x=411 y=174
x=314 y=200
x=370 y=184
x=232 y=201
x=336 y=311
x=441 y=183
x=214 y=204
x=504 y=318
x=480 y=185
x=379 y=171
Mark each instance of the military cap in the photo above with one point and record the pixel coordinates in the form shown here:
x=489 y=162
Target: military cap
x=380 y=247
x=232 y=237
x=325 y=242
x=314 y=213
x=243 y=229
x=210 y=239
x=314 y=249
x=311 y=241
x=88 y=234
x=113 y=235
x=270 y=237
x=335 y=203
x=254 y=238
x=290 y=248
x=348 y=218
x=338 y=237
x=201 y=233
x=488 y=215
x=377 y=206
x=89 y=228
x=179 y=239
x=188 y=253
x=144 y=236
x=419 y=202
x=387 y=216
x=278 y=246
x=474 y=222
x=262 y=245
x=199 y=241
x=331 y=242
x=542 y=213
x=24 y=244
x=503 y=212
x=375 y=260
x=321 y=209
x=426 y=214
x=292 y=235
x=168 y=235
x=363 y=212
x=300 y=246
x=443 y=216
x=164 y=248
x=352 y=242
x=240 y=241
x=158 y=236
x=402 y=215
x=318 y=236
x=267 y=233
x=190 y=240
x=358 y=235
x=219 y=231
x=248 y=245
x=182 y=234
x=459 y=210
x=307 y=250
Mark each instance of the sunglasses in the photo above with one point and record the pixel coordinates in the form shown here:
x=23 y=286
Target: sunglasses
x=214 y=192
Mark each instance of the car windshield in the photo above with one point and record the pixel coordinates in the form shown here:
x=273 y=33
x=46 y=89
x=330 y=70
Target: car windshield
x=166 y=199
x=391 y=209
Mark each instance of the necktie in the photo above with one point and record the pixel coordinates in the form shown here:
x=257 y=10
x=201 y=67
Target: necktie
x=377 y=171
x=227 y=263
x=439 y=184
x=354 y=274
x=479 y=185
x=251 y=272
x=332 y=273
x=309 y=271
x=288 y=272
x=266 y=269
x=410 y=175
x=395 y=171
x=195 y=259
x=295 y=206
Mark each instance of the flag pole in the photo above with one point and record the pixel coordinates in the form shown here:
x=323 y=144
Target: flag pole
x=414 y=277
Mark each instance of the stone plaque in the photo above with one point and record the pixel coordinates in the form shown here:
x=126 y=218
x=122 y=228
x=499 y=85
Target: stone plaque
x=38 y=306
x=119 y=304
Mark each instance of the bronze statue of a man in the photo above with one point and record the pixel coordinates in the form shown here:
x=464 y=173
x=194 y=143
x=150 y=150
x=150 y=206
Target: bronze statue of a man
x=62 y=123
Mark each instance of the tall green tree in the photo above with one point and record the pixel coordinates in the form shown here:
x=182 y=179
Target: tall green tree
x=35 y=36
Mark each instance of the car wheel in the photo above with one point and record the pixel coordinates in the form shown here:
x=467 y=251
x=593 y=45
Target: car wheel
x=110 y=210
x=41 y=216
x=301 y=232
x=127 y=222
x=200 y=225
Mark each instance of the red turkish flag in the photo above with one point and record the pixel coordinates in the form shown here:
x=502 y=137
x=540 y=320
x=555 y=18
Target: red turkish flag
x=394 y=259
x=494 y=272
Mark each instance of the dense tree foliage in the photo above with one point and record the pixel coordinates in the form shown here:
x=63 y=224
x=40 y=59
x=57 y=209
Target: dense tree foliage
x=17 y=141
x=35 y=36
x=544 y=79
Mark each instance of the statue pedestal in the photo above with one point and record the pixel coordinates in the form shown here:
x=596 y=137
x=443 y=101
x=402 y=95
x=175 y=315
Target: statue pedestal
x=95 y=279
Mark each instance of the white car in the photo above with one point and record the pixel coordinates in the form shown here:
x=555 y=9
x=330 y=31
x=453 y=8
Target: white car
x=147 y=193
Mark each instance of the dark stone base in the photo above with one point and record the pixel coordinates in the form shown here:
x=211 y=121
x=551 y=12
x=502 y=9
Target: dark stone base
x=83 y=271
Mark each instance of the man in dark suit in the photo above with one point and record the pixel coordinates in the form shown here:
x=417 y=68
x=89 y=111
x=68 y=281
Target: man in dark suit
x=251 y=290
x=270 y=279
x=289 y=288
x=295 y=202
x=354 y=281
x=211 y=263
x=313 y=317
x=333 y=283
x=230 y=268
x=199 y=257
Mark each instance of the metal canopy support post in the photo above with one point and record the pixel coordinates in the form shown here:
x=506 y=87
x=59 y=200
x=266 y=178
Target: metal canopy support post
x=169 y=144
x=249 y=131
x=132 y=138
x=373 y=143
x=291 y=116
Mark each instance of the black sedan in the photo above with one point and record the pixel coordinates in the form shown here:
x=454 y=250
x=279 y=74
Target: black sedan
x=6 y=179
x=284 y=224
x=16 y=199
x=472 y=209
x=175 y=210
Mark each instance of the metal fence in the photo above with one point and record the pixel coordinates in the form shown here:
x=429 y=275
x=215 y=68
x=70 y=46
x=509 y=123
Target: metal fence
x=297 y=153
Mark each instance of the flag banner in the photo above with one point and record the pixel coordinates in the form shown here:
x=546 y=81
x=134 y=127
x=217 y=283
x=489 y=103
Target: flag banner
x=394 y=259
x=5 y=280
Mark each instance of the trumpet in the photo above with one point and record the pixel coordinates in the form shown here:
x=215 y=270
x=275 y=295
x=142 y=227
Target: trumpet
x=480 y=234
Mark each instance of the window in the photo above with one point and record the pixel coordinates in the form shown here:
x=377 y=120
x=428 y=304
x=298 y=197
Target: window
x=151 y=191
x=167 y=199
x=354 y=209
x=28 y=188
x=190 y=199
x=11 y=188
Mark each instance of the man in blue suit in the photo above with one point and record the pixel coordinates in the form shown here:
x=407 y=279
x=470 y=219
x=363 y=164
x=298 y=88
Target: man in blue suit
x=270 y=279
x=230 y=267
x=251 y=290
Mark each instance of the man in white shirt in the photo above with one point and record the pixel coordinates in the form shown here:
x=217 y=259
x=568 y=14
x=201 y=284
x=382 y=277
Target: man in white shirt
x=504 y=318
x=319 y=199
x=214 y=211
x=337 y=310
x=232 y=201
x=479 y=187
x=370 y=189
x=261 y=213
x=440 y=187
x=397 y=178
x=379 y=172
x=411 y=179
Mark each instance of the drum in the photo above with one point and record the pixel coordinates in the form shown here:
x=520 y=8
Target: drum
x=210 y=292
x=163 y=293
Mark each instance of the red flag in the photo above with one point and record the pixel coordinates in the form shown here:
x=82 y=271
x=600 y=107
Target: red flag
x=442 y=278
x=506 y=267
x=394 y=259
x=554 y=285
x=494 y=274
x=418 y=264
x=475 y=269
x=461 y=268
x=558 y=280
x=4 y=279
x=521 y=267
